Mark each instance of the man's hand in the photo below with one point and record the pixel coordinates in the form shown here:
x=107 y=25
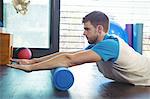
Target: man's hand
x=25 y=68
x=23 y=61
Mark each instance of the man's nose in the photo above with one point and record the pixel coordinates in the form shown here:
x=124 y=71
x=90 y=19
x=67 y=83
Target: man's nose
x=84 y=33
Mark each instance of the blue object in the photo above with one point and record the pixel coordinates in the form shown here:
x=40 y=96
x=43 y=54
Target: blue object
x=1 y=24
x=117 y=29
x=138 y=37
x=108 y=49
x=62 y=78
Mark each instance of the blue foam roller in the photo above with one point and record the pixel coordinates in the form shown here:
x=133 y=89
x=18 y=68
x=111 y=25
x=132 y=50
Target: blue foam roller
x=62 y=78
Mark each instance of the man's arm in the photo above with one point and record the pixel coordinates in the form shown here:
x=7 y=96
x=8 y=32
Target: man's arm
x=37 y=60
x=65 y=60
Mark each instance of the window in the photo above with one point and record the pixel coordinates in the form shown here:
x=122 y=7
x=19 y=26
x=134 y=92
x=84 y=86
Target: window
x=38 y=29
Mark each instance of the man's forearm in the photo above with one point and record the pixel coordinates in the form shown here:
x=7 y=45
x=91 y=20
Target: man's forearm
x=53 y=62
x=36 y=60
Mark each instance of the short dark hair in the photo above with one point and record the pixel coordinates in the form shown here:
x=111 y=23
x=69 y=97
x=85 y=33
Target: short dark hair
x=97 y=18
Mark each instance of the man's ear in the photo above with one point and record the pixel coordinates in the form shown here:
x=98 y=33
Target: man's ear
x=100 y=28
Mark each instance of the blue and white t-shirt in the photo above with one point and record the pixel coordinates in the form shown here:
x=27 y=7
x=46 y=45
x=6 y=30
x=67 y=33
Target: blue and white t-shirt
x=128 y=66
x=108 y=49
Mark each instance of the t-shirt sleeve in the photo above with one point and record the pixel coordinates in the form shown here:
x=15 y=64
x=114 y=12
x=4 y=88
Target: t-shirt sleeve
x=108 y=49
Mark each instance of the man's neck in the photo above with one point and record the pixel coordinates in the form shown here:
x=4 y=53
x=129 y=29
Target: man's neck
x=101 y=36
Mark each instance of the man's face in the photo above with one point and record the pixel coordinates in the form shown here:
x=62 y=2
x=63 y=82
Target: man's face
x=90 y=32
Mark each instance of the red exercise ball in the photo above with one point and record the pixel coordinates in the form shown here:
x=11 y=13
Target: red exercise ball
x=24 y=53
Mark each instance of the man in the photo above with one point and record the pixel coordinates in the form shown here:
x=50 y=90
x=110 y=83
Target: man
x=114 y=58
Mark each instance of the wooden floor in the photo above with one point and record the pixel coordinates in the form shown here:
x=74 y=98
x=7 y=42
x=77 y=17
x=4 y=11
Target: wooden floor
x=89 y=84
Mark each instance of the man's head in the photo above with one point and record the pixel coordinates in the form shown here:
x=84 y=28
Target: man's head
x=96 y=25
x=97 y=18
